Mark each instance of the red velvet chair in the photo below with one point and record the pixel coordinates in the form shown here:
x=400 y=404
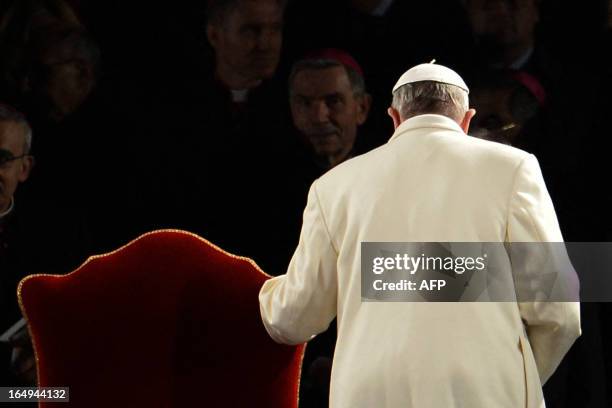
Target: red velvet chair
x=169 y=320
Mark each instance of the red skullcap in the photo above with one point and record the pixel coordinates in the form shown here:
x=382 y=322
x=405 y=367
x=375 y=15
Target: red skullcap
x=335 y=54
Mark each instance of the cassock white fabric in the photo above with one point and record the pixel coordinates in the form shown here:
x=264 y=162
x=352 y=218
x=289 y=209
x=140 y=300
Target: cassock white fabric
x=429 y=183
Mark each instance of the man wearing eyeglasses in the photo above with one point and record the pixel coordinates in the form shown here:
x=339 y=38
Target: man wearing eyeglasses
x=40 y=232
x=15 y=161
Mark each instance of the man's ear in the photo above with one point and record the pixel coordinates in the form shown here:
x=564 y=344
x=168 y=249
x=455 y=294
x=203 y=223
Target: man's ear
x=395 y=116
x=364 y=102
x=212 y=33
x=26 y=167
x=465 y=122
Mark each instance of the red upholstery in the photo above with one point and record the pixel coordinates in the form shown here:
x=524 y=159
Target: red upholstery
x=167 y=321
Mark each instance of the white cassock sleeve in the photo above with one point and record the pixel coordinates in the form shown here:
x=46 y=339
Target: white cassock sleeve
x=302 y=303
x=551 y=326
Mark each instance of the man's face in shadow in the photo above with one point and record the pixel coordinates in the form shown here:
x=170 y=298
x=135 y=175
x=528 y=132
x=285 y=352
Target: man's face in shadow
x=503 y=23
x=248 y=40
x=68 y=79
x=327 y=112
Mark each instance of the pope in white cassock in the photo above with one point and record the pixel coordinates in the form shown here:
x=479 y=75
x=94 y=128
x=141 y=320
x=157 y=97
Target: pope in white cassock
x=430 y=183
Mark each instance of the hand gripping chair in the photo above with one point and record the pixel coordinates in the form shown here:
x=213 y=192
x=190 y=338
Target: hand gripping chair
x=168 y=320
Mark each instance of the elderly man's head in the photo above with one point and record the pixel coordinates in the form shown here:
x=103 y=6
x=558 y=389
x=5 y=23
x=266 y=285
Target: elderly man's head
x=431 y=89
x=15 y=162
x=247 y=38
x=328 y=103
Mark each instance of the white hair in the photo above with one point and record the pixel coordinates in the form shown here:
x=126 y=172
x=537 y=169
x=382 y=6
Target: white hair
x=424 y=97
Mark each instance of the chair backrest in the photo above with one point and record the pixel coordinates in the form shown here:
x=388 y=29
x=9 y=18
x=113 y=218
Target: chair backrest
x=168 y=320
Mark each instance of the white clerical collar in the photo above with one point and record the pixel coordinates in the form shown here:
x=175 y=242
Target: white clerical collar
x=518 y=63
x=521 y=61
x=8 y=211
